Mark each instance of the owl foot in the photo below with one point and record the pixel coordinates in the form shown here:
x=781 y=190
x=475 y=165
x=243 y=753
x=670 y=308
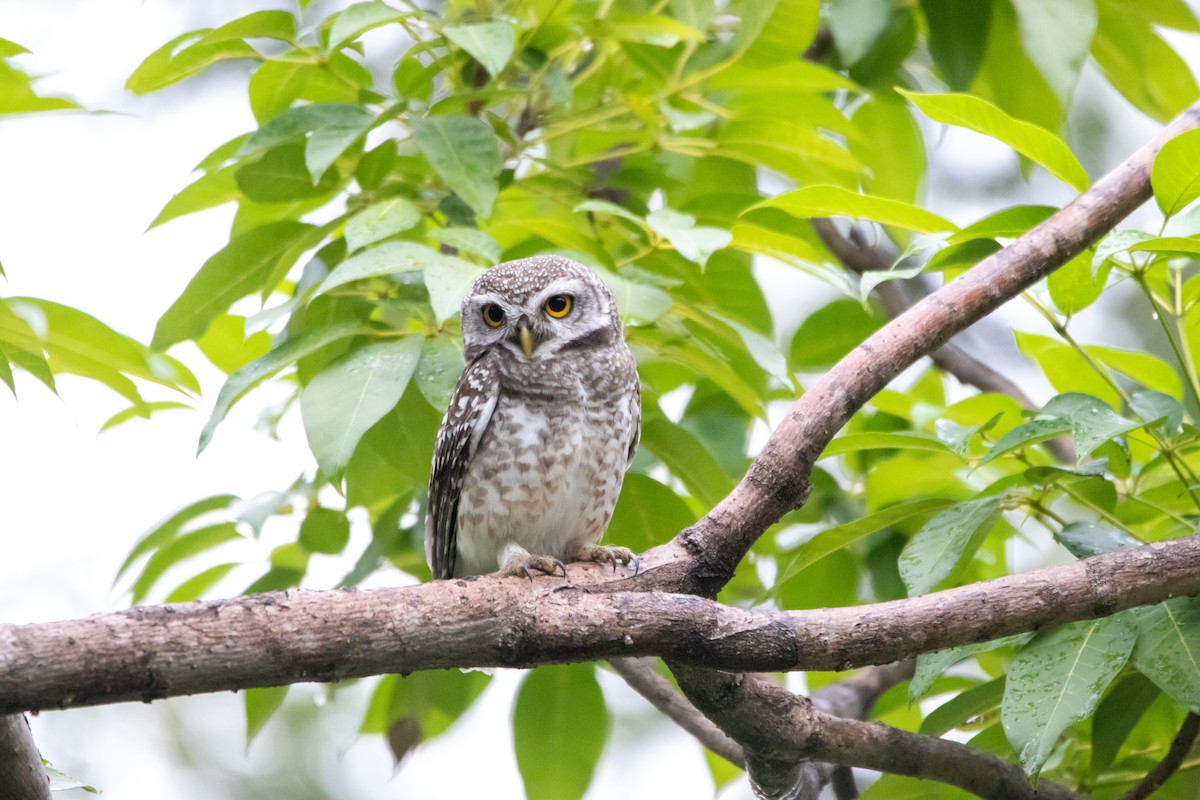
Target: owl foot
x=606 y=554
x=518 y=561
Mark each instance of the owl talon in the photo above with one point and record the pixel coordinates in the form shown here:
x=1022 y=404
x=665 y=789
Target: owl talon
x=521 y=563
x=606 y=554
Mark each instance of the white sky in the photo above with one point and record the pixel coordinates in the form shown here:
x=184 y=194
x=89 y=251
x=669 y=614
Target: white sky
x=77 y=192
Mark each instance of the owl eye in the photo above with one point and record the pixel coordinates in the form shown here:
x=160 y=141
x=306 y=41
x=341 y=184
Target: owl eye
x=493 y=315
x=559 y=305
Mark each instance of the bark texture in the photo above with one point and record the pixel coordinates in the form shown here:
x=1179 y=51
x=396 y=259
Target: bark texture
x=21 y=774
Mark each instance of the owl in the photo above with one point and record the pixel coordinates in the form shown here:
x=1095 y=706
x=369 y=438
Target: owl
x=541 y=427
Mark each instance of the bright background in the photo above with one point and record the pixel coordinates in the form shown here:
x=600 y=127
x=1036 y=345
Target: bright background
x=80 y=190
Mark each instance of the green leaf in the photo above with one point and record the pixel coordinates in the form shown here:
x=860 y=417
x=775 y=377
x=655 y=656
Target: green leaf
x=261 y=705
x=958 y=32
x=1086 y=539
x=466 y=153
x=1175 y=174
x=1032 y=141
x=389 y=258
x=275 y=85
x=283 y=356
x=357 y=19
x=1093 y=422
x=1117 y=715
x=1057 y=679
x=1057 y=37
x=207 y=191
x=694 y=242
x=431 y=701
x=169 y=527
x=834 y=201
x=829 y=333
x=605 y=207
x=846 y=534
x=352 y=394
x=489 y=43
x=438 y=370
x=1065 y=368
x=447 y=282
x=638 y=303
x=900 y=787
x=326 y=130
x=181 y=547
x=142 y=411
x=1156 y=407
x=237 y=270
x=560 y=723
x=227 y=346
x=857 y=25
x=647 y=513
x=384 y=219
x=776 y=31
x=1074 y=286
x=963 y=708
x=195 y=587
x=1009 y=223
x=1168 y=649
x=1026 y=434
x=882 y=440
x=1148 y=370
x=1139 y=63
x=80 y=344
x=930 y=666
x=471 y=241
x=183 y=57
x=943 y=545
x=324 y=530
x=687 y=459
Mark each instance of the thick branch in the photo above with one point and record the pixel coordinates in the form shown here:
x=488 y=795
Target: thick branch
x=277 y=638
x=798 y=730
x=21 y=774
x=778 y=478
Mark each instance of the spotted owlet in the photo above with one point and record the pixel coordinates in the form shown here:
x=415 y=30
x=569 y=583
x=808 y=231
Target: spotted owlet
x=541 y=426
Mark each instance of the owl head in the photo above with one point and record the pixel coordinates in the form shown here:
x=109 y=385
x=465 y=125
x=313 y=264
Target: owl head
x=538 y=307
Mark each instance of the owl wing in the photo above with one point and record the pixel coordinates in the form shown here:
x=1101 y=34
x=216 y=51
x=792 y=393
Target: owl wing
x=635 y=410
x=467 y=418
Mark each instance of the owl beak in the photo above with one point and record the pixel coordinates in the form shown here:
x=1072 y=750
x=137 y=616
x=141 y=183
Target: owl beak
x=526 y=334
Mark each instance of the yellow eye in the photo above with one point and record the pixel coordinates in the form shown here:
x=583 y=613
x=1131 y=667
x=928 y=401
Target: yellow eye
x=559 y=305
x=493 y=315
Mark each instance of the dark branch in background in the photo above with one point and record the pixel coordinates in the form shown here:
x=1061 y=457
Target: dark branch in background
x=852 y=698
x=21 y=773
x=1163 y=770
x=740 y=704
x=860 y=256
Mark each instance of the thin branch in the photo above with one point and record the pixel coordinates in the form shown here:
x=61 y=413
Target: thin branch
x=739 y=704
x=644 y=679
x=1180 y=747
x=22 y=776
x=283 y=637
x=778 y=479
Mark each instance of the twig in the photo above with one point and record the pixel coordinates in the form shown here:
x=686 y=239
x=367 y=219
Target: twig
x=644 y=679
x=1180 y=747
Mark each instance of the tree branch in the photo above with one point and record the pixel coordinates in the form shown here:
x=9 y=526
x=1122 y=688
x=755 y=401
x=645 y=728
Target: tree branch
x=952 y=358
x=778 y=479
x=1180 y=747
x=644 y=679
x=739 y=704
x=270 y=639
x=21 y=774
